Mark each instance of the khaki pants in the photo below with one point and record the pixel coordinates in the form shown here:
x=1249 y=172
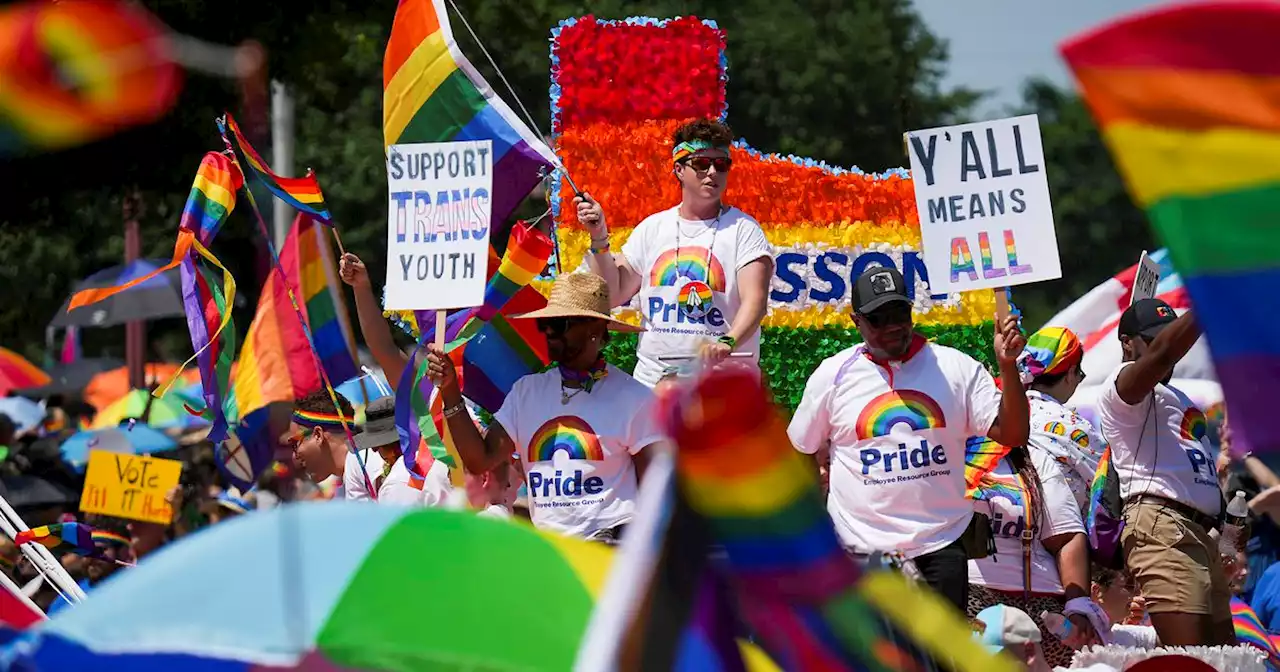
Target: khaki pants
x=1175 y=562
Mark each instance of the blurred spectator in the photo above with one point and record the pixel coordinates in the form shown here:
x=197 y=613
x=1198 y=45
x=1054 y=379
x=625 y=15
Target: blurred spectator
x=1115 y=591
x=1005 y=629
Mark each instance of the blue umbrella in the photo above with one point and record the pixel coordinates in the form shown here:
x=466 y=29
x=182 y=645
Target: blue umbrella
x=139 y=440
x=373 y=388
x=24 y=413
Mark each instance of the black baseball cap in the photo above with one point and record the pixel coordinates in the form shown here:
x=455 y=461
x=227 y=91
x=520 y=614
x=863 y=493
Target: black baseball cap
x=876 y=287
x=1146 y=317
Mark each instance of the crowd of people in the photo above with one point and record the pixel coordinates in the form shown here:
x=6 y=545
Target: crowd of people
x=888 y=423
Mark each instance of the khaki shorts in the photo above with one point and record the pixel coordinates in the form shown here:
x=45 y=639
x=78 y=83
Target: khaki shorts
x=1175 y=562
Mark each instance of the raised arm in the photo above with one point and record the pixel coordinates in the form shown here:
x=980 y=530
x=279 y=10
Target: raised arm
x=1137 y=380
x=479 y=453
x=1013 y=424
x=373 y=326
x=623 y=280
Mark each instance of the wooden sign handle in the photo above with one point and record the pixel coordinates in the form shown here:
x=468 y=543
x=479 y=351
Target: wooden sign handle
x=1002 y=304
x=440 y=318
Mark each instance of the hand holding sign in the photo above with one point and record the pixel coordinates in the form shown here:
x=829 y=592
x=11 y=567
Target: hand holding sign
x=1009 y=340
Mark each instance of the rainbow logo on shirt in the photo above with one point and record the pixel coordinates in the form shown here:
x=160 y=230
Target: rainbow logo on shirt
x=1080 y=438
x=1056 y=428
x=694 y=263
x=567 y=433
x=915 y=409
x=695 y=298
x=1194 y=425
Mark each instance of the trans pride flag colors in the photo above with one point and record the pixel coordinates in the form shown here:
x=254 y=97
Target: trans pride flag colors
x=1186 y=100
x=432 y=93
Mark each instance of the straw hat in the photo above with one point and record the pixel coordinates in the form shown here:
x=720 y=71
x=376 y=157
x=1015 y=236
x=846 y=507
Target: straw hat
x=579 y=295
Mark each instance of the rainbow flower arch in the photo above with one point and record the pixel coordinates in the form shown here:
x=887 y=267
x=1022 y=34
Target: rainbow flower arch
x=619 y=89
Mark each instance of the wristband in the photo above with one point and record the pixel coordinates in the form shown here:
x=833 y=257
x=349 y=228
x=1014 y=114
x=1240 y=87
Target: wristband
x=1086 y=607
x=728 y=340
x=598 y=247
x=454 y=409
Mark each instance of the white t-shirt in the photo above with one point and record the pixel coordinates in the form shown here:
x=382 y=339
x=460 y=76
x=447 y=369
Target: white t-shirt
x=577 y=455
x=353 y=479
x=1061 y=515
x=397 y=487
x=1062 y=436
x=897 y=439
x=680 y=260
x=1158 y=446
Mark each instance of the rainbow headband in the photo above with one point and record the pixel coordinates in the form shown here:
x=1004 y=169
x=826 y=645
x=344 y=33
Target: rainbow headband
x=314 y=419
x=1050 y=351
x=686 y=149
x=104 y=537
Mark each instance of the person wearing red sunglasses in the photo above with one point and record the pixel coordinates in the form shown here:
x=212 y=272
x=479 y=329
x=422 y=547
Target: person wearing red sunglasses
x=700 y=270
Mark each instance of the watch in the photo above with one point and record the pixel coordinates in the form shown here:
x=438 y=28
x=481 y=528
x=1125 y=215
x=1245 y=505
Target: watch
x=728 y=340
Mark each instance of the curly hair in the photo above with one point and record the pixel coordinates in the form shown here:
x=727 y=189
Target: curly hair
x=709 y=130
x=319 y=402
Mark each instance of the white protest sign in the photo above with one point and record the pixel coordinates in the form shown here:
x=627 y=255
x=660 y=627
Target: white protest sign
x=440 y=197
x=1147 y=279
x=983 y=197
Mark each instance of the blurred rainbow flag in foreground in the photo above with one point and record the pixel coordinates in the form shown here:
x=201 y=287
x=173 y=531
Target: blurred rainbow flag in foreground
x=1186 y=98
x=739 y=484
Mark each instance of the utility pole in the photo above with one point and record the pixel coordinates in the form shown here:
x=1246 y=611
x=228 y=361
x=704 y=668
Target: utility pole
x=135 y=345
x=282 y=115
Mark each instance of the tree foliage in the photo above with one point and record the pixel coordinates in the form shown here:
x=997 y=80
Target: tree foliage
x=838 y=80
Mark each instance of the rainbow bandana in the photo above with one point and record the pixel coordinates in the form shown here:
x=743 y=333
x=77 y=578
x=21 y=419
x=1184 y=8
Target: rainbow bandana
x=686 y=149
x=1051 y=351
x=327 y=420
x=105 y=538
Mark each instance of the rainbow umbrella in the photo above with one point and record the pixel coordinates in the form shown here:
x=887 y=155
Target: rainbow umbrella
x=17 y=373
x=337 y=586
x=167 y=412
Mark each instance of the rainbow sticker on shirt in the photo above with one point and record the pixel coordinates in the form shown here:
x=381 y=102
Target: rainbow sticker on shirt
x=694 y=263
x=695 y=299
x=1080 y=438
x=1194 y=425
x=1056 y=428
x=566 y=433
x=915 y=409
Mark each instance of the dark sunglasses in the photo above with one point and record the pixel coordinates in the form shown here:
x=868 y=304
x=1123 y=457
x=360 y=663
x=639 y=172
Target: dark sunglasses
x=558 y=325
x=703 y=163
x=897 y=313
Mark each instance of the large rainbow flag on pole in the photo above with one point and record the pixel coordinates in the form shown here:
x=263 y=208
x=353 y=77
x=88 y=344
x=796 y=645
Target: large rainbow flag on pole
x=1186 y=98
x=276 y=363
x=432 y=93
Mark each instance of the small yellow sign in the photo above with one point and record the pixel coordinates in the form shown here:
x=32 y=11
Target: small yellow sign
x=129 y=486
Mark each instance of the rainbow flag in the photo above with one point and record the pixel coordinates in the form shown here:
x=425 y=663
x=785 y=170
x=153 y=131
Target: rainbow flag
x=492 y=352
x=432 y=93
x=301 y=193
x=207 y=307
x=276 y=363
x=1249 y=631
x=808 y=604
x=1185 y=97
x=57 y=84
x=74 y=537
x=981 y=456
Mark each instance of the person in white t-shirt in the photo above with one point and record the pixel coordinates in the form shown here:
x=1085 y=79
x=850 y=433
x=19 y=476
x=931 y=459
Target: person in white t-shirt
x=583 y=430
x=1168 y=480
x=379 y=443
x=318 y=440
x=701 y=270
x=1042 y=556
x=1050 y=367
x=894 y=413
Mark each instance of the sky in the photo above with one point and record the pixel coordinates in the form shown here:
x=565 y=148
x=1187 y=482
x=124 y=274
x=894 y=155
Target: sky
x=997 y=44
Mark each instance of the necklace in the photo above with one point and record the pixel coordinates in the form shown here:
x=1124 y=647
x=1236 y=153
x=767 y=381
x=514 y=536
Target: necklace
x=695 y=296
x=586 y=380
